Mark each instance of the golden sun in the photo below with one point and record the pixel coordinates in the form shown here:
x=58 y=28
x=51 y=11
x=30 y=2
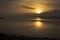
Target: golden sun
x=38 y=11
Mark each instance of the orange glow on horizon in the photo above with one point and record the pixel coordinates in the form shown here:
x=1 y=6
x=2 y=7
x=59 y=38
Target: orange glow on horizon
x=38 y=19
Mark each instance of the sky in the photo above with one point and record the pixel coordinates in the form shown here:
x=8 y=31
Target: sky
x=28 y=6
x=12 y=8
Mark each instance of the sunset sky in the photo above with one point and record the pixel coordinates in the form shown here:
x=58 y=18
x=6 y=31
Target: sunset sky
x=32 y=17
x=28 y=6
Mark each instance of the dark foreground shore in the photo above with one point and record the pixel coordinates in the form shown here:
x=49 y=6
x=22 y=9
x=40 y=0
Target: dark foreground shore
x=4 y=36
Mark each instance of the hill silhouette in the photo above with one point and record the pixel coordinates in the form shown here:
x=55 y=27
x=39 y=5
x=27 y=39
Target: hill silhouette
x=51 y=14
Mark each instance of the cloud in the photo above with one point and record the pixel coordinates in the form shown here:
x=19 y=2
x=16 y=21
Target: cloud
x=27 y=7
x=51 y=3
x=11 y=4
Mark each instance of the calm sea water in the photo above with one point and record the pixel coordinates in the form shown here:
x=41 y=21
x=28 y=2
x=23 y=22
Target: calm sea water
x=36 y=27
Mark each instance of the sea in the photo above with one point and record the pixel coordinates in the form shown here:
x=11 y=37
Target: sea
x=34 y=27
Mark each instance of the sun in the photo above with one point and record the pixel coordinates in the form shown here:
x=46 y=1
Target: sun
x=38 y=11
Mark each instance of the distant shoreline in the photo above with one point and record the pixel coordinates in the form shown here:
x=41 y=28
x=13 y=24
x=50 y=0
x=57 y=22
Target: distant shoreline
x=31 y=17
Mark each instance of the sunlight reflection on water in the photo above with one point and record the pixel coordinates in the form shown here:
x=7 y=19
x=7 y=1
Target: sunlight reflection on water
x=37 y=23
x=34 y=26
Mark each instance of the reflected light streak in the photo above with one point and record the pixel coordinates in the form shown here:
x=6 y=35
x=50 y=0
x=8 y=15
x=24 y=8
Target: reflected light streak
x=37 y=23
x=38 y=19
